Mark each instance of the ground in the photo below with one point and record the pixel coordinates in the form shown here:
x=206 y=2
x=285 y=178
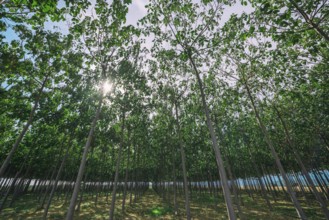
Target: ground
x=152 y=206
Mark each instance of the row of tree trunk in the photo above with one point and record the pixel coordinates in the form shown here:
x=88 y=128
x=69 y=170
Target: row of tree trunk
x=270 y=187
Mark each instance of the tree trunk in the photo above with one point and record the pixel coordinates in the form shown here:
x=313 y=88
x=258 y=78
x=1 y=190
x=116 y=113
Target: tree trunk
x=22 y=134
x=183 y=158
x=117 y=168
x=293 y=197
x=235 y=193
x=76 y=190
x=301 y=165
x=219 y=160
x=56 y=182
x=19 y=186
x=126 y=177
x=11 y=187
x=133 y=177
x=264 y=193
x=175 y=185
x=48 y=187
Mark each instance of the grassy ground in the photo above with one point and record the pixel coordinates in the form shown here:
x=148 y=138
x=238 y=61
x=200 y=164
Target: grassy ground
x=151 y=206
x=208 y=207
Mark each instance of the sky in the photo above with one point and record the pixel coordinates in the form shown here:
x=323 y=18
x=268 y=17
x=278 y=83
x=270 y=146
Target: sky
x=136 y=11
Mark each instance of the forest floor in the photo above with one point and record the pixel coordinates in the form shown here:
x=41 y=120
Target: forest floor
x=152 y=206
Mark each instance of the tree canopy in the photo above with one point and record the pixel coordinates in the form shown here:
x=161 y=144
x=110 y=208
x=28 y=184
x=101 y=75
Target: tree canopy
x=180 y=95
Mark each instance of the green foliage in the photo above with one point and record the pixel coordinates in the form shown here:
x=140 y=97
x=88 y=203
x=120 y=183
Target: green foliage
x=273 y=49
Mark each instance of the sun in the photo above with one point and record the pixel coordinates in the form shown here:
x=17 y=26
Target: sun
x=107 y=87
